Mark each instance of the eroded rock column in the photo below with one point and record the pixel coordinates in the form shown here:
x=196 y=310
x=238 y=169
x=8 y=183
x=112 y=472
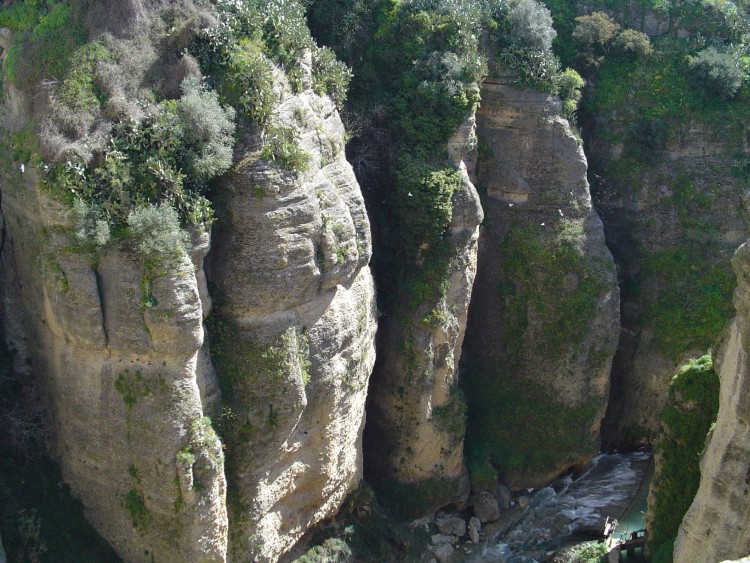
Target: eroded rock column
x=293 y=331
x=544 y=321
x=118 y=353
x=416 y=411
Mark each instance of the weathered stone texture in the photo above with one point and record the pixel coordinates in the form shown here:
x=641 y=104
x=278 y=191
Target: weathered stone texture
x=120 y=381
x=672 y=225
x=296 y=318
x=416 y=416
x=543 y=322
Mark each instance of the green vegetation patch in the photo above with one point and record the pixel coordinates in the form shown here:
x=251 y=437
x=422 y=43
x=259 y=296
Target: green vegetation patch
x=167 y=158
x=132 y=387
x=533 y=283
x=412 y=500
x=251 y=36
x=686 y=419
x=451 y=417
x=243 y=364
x=517 y=425
x=136 y=507
x=693 y=302
x=47 y=35
x=80 y=89
x=369 y=530
x=281 y=146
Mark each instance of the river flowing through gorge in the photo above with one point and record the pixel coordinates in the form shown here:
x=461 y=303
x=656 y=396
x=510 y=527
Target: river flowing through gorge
x=573 y=509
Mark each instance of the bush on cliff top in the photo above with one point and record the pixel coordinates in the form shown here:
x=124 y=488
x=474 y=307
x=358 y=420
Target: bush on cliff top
x=164 y=162
x=719 y=72
x=251 y=36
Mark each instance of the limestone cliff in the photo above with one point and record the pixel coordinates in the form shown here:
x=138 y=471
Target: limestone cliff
x=293 y=331
x=110 y=371
x=416 y=412
x=715 y=526
x=672 y=223
x=115 y=336
x=693 y=400
x=543 y=322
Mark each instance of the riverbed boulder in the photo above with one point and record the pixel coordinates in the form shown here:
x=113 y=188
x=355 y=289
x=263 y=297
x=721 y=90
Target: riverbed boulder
x=451 y=525
x=442 y=552
x=485 y=507
x=475 y=526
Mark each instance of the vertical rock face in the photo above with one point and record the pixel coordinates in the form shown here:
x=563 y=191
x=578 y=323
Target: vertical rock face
x=673 y=223
x=126 y=385
x=715 y=526
x=416 y=412
x=293 y=331
x=543 y=323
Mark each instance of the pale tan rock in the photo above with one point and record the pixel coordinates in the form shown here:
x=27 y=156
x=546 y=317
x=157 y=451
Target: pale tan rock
x=715 y=527
x=485 y=507
x=119 y=382
x=442 y=552
x=415 y=416
x=297 y=298
x=451 y=525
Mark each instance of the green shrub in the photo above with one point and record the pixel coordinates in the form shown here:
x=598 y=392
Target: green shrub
x=250 y=38
x=79 y=89
x=136 y=507
x=91 y=227
x=530 y=26
x=208 y=133
x=589 y=553
x=424 y=204
x=44 y=45
x=523 y=34
x=632 y=43
x=569 y=84
x=717 y=72
x=330 y=76
x=20 y=15
x=691 y=409
x=165 y=160
x=595 y=31
x=333 y=550
x=248 y=82
x=592 y=35
x=155 y=232
x=280 y=146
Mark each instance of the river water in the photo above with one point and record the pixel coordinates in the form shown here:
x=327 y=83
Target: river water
x=573 y=507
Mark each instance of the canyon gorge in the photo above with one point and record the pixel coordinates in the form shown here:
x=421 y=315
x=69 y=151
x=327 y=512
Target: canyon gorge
x=278 y=278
